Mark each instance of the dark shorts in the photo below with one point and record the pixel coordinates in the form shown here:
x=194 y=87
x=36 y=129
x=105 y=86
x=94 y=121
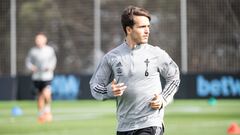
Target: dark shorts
x=144 y=131
x=40 y=85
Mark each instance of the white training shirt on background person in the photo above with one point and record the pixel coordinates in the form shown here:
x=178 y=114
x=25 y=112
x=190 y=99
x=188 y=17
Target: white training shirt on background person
x=45 y=60
x=139 y=69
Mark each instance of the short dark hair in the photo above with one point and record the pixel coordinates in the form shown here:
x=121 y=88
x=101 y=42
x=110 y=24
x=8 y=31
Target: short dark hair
x=41 y=33
x=129 y=12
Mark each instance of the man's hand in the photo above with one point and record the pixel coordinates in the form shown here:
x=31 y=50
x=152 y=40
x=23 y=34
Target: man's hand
x=156 y=102
x=118 y=88
x=34 y=68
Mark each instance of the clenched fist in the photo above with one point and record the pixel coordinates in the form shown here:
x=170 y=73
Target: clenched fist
x=118 y=88
x=156 y=102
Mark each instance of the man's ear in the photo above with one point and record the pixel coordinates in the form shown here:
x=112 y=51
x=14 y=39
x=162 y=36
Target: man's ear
x=128 y=29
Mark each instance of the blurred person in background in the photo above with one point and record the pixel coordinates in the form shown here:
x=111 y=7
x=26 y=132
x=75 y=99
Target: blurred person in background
x=131 y=74
x=41 y=61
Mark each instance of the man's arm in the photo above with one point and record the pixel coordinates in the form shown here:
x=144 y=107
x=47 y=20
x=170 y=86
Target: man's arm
x=170 y=71
x=52 y=61
x=100 y=83
x=28 y=61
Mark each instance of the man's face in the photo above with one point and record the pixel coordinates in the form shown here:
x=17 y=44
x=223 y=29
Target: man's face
x=40 y=40
x=140 y=31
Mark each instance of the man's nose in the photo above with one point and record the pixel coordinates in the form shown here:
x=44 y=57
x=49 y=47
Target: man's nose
x=146 y=31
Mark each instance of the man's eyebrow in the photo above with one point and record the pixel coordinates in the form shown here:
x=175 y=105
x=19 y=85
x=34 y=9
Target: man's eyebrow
x=144 y=25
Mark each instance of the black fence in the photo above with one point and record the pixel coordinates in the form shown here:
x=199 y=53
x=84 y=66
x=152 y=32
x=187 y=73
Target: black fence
x=212 y=32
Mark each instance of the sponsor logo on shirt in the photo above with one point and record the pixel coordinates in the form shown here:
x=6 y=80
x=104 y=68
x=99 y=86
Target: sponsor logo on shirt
x=119 y=69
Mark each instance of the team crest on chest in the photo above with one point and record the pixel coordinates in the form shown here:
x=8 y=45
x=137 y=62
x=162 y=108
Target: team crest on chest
x=146 y=71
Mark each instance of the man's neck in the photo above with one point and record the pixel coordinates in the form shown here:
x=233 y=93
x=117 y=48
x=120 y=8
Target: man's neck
x=41 y=46
x=131 y=44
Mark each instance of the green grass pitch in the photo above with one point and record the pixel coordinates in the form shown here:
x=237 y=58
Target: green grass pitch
x=91 y=117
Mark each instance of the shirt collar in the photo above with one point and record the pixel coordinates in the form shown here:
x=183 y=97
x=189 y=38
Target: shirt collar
x=137 y=47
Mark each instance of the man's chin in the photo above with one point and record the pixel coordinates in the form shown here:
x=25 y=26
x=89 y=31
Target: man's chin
x=145 y=42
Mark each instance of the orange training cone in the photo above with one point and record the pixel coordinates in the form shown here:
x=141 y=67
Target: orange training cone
x=233 y=129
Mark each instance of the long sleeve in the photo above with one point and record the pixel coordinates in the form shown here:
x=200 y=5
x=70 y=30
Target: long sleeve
x=100 y=82
x=170 y=71
x=52 y=61
x=28 y=61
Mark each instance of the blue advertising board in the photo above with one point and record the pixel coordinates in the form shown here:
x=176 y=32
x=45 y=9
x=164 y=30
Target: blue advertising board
x=75 y=86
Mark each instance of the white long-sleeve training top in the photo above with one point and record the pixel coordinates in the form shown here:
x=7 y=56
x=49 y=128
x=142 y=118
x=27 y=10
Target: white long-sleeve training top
x=139 y=69
x=45 y=60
